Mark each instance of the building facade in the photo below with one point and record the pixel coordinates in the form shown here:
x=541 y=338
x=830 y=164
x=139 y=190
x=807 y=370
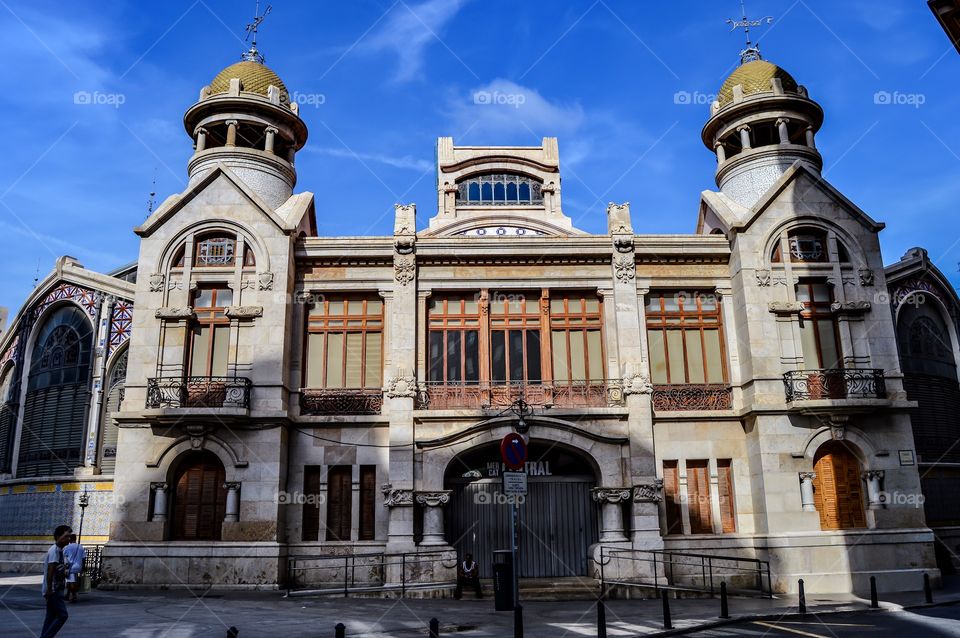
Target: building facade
x=735 y=391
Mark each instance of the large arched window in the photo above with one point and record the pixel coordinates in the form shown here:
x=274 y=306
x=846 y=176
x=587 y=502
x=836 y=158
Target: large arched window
x=808 y=245
x=837 y=487
x=199 y=498
x=500 y=189
x=924 y=339
x=58 y=396
x=8 y=416
x=113 y=397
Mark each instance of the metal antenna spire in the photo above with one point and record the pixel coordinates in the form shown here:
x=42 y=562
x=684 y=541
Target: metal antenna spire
x=253 y=55
x=36 y=276
x=752 y=51
x=153 y=193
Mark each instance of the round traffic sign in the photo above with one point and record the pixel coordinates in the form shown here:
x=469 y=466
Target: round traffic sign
x=513 y=450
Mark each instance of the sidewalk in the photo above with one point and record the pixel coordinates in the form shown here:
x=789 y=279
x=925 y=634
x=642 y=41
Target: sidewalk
x=176 y=614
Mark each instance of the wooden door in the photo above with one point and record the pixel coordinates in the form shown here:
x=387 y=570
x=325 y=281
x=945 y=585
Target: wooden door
x=339 y=502
x=698 y=497
x=837 y=488
x=200 y=499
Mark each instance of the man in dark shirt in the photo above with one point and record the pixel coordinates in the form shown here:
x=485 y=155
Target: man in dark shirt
x=55 y=570
x=468 y=573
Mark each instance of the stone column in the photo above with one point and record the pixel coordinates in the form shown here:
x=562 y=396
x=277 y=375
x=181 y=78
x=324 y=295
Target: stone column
x=721 y=152
x=433 y=503
x=232 y=513
x=810 y=140
x=782 y=130
x=271 y=133
x=744 y=132
x=806 y=491
x=159 y=501
x=874 y=496
x=231 y=133
x=611 y=501
x=201 y=139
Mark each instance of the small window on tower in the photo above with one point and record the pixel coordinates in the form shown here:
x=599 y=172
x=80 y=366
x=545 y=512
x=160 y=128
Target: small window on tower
x=215 y=250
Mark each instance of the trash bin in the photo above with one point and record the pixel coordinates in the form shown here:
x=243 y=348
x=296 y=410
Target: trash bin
x=503 y=580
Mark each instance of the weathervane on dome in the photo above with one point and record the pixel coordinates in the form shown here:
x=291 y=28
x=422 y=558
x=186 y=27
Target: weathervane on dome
x=752 y=51
x=253 y=55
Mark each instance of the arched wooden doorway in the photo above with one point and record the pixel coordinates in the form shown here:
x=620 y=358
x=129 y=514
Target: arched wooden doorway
x=837 y=487
x=199 y=499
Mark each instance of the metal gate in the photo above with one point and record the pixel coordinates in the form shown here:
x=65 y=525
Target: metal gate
x=558 y=522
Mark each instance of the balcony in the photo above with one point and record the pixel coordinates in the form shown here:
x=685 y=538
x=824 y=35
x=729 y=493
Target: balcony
x=834 y=384
x=198 y=392
x=691 y=396
x=566 y=394
x=317 y=402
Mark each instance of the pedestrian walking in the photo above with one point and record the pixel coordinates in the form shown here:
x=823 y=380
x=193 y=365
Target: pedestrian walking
x=74 y=554
x=55 y=572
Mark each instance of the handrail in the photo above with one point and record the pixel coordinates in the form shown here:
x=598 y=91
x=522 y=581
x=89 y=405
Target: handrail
x=837 y=383
x=198 y=392
x=441 y=395
x=710 y=572
x=375 y=562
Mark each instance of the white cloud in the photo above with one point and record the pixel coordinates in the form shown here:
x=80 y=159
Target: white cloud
x=502 y=109
x=409 y=30
x=405 y=161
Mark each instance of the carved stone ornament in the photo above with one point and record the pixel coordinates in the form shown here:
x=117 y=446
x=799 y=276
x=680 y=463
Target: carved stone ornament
x=244 y=312
x=185 y=312
x=648 y=492
x=637 y=383
x=872 y=474
x=611 y=495
x=866 y=276
x=438 y=498
x=404 y=269
x=807 y=476
x=156 y=282
x=197 y=434
x=159 y=487
x=838 y=432
x=265 y=281
x=623 y=243
x=785 y=307
x=851 y=307
x=763 y=278
x=624 y=267
x=402 y=385
x=174 y=284
x=396 y=498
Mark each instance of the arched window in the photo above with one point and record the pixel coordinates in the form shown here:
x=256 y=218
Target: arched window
x=500 y=189
x=58 y=395
x=199 y=498
x=8 y=416
x=924 y=340
x=927 y=339
x=837 y=487
x=809 y=245
x=215 y=250
x=113 y=398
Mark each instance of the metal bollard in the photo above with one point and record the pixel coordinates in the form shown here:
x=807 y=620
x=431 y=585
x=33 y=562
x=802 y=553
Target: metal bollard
x=803 y=598
x=667 y=624
x=233 y=632
x=874 y=603
x=341 y=630
x=518 y=621
x=724 y=609
x=601 y=620
x=927 y=591
x=434 y=628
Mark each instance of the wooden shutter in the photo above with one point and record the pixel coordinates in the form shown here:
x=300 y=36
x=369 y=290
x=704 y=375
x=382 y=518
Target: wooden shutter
x=368 y=500
x=310 y=523
x=671 y=494
x=339 y=502
x=837 y=494
x=200 y=500
x=728 y=516
x=698 y=497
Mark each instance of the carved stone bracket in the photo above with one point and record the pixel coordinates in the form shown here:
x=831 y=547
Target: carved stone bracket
x=396 y=498
x=866 y=276
x=785 y=307
x=244 y=312
x=611 y=495
x=197 y=434
x=438 y=498
x=402 y=385
x=637 y=383
x=174 y=313
x=851 y=307
x=648 y=492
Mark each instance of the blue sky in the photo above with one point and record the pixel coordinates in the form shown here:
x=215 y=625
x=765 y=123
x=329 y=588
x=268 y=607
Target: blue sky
x=381 y=80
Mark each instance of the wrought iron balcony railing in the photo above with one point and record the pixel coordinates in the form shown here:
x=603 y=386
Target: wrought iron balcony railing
x=315 y=402
x=839 y=383
x=691 y=396
x=570 y=394
x=199 y=392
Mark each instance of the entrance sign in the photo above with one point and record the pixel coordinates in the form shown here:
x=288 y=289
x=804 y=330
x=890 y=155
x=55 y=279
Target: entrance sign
x=515 y=483
x=513 y=450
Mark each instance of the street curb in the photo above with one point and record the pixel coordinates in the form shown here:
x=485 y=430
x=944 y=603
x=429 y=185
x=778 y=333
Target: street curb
x=788 y=616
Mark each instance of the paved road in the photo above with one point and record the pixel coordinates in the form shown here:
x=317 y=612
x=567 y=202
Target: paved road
x=932 y=622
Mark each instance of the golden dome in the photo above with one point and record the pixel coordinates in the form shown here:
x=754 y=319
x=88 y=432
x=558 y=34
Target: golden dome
x=755 y=77
x=254 y=78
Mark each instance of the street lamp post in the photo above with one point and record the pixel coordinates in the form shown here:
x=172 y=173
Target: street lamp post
x=84 y=502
